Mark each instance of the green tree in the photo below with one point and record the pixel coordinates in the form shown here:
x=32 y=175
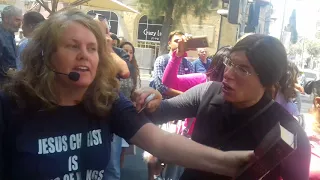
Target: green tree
x=293 y=28
x=313 y=48
x=295 y=49
x=173 y=10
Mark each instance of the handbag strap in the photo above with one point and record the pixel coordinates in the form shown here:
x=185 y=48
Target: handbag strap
x=251 y=119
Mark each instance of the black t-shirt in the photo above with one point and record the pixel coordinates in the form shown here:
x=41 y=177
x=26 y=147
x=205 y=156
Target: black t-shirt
x=65 y=143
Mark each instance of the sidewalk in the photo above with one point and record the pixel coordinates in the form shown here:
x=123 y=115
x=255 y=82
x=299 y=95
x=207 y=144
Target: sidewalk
x=145 y=77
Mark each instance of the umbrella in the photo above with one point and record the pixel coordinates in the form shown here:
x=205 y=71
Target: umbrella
x=101 y=4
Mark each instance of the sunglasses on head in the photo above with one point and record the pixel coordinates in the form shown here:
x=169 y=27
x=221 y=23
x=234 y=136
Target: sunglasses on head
x=96 y=15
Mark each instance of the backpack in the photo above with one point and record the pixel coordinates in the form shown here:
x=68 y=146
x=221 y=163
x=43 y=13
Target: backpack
x=167 y=57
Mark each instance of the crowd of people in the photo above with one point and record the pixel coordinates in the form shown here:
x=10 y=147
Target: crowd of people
x=71 y=95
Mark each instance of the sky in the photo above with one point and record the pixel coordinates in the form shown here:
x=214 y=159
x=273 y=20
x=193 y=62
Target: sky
x=308 y=13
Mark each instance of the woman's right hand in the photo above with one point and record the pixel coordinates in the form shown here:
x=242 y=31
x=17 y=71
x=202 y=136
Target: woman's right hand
x=181 y=50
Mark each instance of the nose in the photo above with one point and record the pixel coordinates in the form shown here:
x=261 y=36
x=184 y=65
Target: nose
x=83 y=53
x=228 y=73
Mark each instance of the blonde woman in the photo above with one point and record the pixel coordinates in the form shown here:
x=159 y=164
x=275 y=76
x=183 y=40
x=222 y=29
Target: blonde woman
x=59 y=112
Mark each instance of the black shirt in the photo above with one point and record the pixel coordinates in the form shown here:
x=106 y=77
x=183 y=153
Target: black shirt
x=64 y=143
x=221 y=118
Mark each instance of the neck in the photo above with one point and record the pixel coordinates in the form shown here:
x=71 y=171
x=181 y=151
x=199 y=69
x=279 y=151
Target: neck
x=27 y=35
x=246 y=104
x=204 y=60
x=69 y=96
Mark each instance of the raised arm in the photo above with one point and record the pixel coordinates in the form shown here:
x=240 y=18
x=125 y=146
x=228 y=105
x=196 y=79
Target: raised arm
x=180 y=82
x=123 y=62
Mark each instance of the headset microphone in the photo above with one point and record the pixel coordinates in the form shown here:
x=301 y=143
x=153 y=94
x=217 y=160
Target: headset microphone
x=73 y=76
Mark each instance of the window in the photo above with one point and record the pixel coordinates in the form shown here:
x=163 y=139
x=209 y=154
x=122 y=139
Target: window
x=112 y=18
x=150 y=29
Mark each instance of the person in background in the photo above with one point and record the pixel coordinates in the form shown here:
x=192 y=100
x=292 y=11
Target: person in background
x=29 y=23
x=184 y=82
x=185 y=67
x=299 y=89
x=115 y=40
x=312 y=87
x=128 y=86
x=202 y=64
x=11 y=22
x=135 y=76
x=118 y=54
x=284 y=91
x=216 y=69
x=119 y=145
x=160 y=65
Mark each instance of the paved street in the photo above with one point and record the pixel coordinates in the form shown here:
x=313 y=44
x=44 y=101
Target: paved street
x=136 y=169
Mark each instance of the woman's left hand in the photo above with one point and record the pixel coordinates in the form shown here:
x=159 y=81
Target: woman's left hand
x=140 y=95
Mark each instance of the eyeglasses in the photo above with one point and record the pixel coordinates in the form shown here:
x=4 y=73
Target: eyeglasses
x=236 y=68
x=96 y=15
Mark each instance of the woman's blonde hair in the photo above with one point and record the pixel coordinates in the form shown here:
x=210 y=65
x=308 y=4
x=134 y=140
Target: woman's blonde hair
x=34 y=84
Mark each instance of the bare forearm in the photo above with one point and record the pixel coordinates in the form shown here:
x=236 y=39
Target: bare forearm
x=122 y=65
x=194 y=156
x=172 y=92
x=173 y=148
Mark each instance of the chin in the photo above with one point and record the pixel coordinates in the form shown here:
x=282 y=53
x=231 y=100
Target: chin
x=228 y=98
x=82 y=83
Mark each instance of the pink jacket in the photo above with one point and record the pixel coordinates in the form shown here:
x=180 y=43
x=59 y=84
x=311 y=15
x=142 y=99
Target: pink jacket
x=182 y=83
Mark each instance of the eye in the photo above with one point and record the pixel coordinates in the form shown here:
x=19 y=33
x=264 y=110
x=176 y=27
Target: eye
x=92 y=49
x=73 y=46
x=242 y=70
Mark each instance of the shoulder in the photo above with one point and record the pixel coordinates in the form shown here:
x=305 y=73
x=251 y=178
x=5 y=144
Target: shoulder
x=289 y=122
x=162 y=60
x=211 y=87
x=122 y=103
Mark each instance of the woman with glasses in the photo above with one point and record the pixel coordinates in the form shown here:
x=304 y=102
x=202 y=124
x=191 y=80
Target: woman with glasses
x=58 y=114
x=239 y=112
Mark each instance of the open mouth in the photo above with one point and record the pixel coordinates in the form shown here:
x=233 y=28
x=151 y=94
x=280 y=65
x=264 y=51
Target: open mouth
x=81 y=69
x=226 y=87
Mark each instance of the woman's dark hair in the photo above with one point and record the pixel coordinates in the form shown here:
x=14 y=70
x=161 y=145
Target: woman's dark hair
x=216 y=69
x=288 y=80
x=32 y=18
x=136 y=74
x=267 y=55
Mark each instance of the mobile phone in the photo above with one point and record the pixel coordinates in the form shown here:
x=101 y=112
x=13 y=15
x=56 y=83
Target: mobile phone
x=197 y=42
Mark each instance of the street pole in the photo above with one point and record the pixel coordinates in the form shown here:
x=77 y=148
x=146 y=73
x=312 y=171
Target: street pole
x=283 y=17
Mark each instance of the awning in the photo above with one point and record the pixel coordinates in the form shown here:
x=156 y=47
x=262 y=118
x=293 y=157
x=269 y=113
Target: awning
x=101 y=4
